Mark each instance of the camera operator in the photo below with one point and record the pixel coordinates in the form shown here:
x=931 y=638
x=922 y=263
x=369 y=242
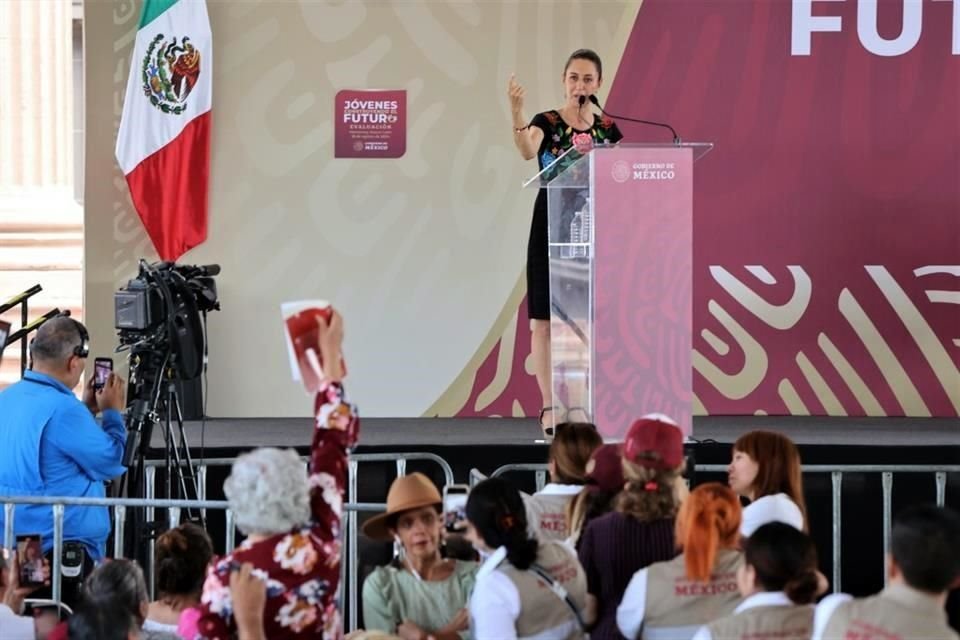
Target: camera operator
x=51 y=444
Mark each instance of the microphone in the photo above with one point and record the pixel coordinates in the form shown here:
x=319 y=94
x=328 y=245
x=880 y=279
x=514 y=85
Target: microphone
x=676 y=138
x=583 y=99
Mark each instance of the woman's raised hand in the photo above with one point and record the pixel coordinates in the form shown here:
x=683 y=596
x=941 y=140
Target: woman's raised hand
x=515 y=92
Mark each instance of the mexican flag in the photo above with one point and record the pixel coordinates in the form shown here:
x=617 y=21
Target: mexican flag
x=163 y=146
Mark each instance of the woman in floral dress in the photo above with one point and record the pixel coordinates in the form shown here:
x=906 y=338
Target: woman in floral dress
x=292 y=523
x=546 y=138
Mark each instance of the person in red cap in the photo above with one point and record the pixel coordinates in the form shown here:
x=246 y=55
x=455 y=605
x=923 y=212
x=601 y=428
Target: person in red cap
x=640 y=531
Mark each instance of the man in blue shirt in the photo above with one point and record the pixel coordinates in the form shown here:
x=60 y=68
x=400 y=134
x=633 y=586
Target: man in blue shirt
x=50 y=443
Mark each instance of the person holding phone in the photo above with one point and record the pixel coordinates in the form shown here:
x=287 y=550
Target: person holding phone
x=51 y=443
x=422 y=594
x=102 y=368
x=14 y=626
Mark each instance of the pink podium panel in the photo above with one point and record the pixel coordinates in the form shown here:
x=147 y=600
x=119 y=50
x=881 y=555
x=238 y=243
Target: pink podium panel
x=620 y=252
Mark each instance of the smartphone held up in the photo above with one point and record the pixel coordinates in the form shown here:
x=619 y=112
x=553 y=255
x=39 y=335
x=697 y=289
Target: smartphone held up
x=102 y=368
x=455 y=507
x=30 y=560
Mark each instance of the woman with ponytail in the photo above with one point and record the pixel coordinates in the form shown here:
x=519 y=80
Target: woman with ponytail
x=510 y=599
x=640 y=530
x=675 y=598
x=779 y=582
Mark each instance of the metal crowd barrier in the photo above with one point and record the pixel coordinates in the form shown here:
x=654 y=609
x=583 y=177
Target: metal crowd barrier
x=539 y=468
x=120 y=505
x=836 y=475
x=350 y=563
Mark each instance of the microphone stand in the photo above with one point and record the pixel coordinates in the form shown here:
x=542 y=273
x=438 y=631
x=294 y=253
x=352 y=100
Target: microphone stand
x=676 y=138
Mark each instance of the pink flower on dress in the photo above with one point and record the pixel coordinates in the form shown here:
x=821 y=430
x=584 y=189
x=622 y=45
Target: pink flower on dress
x=331 y=551
x=297 y=615
x=216 y=596
x=583 y=142
x=295 y=553
x=332 y=629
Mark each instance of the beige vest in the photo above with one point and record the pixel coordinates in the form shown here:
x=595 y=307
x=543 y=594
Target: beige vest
x=898 y=612
x=547 y=515
x=541 y=610
x=677 y=606
x=784 y=622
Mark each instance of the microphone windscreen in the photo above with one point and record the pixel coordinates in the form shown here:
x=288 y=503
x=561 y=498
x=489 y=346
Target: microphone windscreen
x=582 y=100
x=594 y=100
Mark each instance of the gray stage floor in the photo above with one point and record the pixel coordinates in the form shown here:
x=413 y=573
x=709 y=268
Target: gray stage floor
x=459 y=432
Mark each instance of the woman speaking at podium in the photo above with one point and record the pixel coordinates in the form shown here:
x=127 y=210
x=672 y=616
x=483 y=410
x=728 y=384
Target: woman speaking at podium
x=545 y=138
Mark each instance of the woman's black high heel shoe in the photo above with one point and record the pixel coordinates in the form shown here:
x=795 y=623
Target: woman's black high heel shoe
x=547 y=431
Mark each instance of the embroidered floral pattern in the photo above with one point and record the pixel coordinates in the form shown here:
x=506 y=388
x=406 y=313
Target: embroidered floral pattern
x=558 y=136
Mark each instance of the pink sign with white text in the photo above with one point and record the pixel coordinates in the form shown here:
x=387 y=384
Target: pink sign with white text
x=370 y=124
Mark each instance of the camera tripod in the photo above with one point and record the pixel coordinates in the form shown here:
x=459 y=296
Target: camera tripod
x=154 y=400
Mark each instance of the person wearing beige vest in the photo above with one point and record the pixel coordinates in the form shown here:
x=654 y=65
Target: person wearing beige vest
x=569 y=454
x=673 y=599
x=922 y=567
x=779 y=582
x=525 y=588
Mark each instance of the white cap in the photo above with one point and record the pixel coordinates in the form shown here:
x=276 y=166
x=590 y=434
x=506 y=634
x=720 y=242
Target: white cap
x=775 y=508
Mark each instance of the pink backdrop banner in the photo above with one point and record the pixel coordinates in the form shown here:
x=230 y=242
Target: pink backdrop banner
x=827 y=218
x=643 y=285
x=370 y=124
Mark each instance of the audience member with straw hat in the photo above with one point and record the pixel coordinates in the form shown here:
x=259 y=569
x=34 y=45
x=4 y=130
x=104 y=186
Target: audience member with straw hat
x=421 y=593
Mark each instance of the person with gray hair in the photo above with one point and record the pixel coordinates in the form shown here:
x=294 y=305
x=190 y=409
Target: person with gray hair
x=114 y=604
x=291 y=517
x=51 y=443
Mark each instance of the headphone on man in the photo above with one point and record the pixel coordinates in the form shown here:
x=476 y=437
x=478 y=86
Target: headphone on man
x=82 y=350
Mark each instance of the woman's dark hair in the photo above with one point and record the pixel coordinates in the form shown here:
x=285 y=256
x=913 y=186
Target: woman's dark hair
x=496 y=511
x=94 y=622
x=784 y=559
x=116 y=584
x=925 y=544
x=585 y=54
x=183 y=554
x=571 y=449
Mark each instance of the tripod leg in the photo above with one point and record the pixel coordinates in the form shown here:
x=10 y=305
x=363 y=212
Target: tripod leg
x=182 y=454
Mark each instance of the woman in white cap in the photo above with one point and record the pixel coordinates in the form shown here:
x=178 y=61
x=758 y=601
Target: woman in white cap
x=766 y=470
x=422 y=594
